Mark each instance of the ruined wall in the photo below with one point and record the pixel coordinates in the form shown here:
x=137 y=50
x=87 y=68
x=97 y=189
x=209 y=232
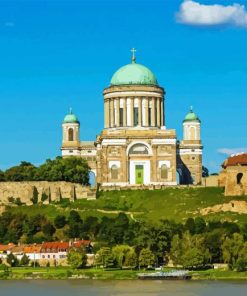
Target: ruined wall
x=211 y=181
x=234 y=184
x=50 y=191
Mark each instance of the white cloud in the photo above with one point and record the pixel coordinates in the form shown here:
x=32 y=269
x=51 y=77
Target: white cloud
x=229 y=151
x=197 y=14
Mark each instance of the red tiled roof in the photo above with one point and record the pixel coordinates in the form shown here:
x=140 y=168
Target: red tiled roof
x=54 y=246
x=80 y=243
x=32 y=249
x=4 y=248
x=238 y=159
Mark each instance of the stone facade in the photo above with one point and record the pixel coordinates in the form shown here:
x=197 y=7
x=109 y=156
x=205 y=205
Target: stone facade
x=234 y=175
x=51 y=191
x=135 y=146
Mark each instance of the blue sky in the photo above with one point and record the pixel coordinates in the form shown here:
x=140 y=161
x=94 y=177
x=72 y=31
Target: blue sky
x=57 y=54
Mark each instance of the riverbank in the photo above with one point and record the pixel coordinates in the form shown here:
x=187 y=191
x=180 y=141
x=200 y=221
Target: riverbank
x=55 y=273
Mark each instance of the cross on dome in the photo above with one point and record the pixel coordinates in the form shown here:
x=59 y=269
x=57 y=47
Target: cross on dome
x=133 y=50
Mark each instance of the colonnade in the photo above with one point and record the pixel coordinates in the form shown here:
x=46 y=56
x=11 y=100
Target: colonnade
x=130 y=112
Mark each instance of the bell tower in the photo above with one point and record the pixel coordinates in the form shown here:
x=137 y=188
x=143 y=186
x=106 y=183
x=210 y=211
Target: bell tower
x=189 y=158
x=71 y=134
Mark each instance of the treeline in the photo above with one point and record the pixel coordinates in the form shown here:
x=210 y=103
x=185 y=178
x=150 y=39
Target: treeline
x=194 y=244
x=70 y=169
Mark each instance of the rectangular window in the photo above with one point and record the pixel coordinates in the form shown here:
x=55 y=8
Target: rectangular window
x=135 y=116
x=121 y=116
x=149 y=116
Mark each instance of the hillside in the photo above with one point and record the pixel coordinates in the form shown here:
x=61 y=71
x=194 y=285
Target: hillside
x=144 y=205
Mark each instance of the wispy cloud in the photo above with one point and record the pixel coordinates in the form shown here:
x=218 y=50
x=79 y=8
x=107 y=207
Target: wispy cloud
x=197 y=14
x=230 y=151
x=9 y=24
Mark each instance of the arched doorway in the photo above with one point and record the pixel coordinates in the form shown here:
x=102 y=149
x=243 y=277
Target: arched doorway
x=139 y=163
x=92 y=179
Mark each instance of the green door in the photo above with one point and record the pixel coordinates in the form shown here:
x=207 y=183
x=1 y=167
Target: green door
x=139 y=174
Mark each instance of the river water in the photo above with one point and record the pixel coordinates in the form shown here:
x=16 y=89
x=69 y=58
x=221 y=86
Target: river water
x=122 y=288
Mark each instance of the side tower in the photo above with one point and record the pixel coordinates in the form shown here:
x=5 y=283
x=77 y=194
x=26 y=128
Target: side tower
x=189 y=158
x=71 y=135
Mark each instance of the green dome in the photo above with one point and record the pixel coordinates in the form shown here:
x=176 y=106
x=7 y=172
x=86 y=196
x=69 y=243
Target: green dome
x=191 y=116
x=134 y=74
x=70 y=118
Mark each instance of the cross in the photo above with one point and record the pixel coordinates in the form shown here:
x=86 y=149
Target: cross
x=133 y=50
x=70 y=110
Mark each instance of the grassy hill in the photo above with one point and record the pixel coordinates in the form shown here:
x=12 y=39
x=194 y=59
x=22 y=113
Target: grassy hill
x=144 y=205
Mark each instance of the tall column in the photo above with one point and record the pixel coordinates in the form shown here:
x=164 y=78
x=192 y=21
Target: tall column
x=128 y=112
x=117 y=112
x=140 y=111
x=124 y=111
x=131 y=111
x=112 y=113
x=153 y=113
x=106 y=106
x=146 y=111
x=162 y=112
x=158 y=112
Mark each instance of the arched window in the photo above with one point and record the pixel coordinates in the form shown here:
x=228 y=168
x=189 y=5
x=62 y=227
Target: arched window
x=71 y=134
x=239 y=178
x=164 y=171
x=114 y=172
x=138 y=149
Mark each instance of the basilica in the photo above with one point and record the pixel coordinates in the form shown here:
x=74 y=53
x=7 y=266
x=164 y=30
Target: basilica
x=135 y=147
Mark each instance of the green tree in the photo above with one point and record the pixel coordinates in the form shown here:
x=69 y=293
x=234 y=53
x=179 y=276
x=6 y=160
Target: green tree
x=190 y=250
x=200 y=225
x=70 y=169
x=205 y=172
x=44 y=196
x=119 y=254
x=241 y=263
x=35 y=197
x=104 y=257
x=48 y=229
x=23 y=172
x=131 y=259
x=77 y=257
x=231 y=249
x=60 y=221
x=146 y=258
x=24 y=260
x=192 y=258
x=12 y=260
x=2 y=176
x=190 y=225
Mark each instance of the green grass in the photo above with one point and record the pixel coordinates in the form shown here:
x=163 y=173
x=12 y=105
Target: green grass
x=150 y=205
x=218 y=274
x=19 y=273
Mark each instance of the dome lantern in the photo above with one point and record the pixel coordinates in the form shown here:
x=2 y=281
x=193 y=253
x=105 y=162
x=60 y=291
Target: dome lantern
x=191 y=116
x=71 y=118
x=133 y=74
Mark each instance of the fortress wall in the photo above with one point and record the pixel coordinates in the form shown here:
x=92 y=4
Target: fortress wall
x=211 y=181
x=54 y=191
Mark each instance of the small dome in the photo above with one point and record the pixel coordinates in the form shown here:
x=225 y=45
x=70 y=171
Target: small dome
x=70 y=118
x=134 y=74
x=191 y=116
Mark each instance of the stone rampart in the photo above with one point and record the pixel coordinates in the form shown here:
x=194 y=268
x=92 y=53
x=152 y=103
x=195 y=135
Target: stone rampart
x=43 y=191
